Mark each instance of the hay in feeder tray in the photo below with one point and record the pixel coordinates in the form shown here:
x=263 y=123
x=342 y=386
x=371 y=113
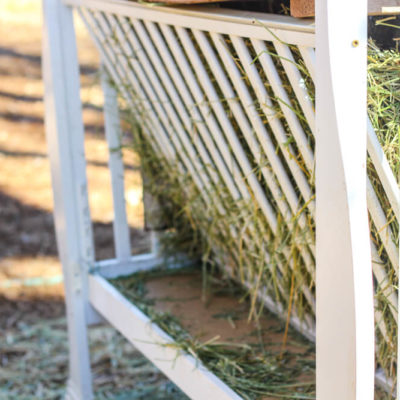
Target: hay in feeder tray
x=249 y=357
x=231 y=236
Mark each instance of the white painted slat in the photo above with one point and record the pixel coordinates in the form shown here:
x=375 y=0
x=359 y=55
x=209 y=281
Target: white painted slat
x=175 y=75
x=308 y=54
x=206 y=111
x=380 y=323
x=383 y=281
x=297 y=82
x=65 y=141
x=151 y=124
x=187 y=372
x=185 y=69
x=116 y=166
x=382 y=226
x=215 y=103
x=275 y=81
x=268 y=151
x=254 y=25
x=145 y=71
x=140 y=103
x=165 y=142
x=345 y=309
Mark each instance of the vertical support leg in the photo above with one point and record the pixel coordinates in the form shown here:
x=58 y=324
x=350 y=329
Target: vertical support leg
x=345 y=308
x=65 y=138
x=115 y=163
x=153 y=215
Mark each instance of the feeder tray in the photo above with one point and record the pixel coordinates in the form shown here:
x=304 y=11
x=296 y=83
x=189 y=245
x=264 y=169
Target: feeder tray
x=212 y=324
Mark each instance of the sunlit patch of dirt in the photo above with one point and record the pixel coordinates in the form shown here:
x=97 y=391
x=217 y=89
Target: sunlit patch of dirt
x=31 y=277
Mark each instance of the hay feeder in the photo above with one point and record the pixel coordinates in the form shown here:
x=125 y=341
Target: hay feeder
x=227 y=96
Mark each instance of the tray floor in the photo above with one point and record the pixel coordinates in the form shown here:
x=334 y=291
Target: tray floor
x=221 y=315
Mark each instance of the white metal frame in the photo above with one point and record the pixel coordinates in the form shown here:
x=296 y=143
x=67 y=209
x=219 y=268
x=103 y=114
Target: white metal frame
x=344 y=307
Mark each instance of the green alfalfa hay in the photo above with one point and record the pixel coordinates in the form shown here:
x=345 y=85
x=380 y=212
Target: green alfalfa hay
x=254 y=371
x=205 y=231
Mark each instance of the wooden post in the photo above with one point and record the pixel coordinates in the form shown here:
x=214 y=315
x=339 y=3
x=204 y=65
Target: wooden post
x=345 y=308
x=65 y=140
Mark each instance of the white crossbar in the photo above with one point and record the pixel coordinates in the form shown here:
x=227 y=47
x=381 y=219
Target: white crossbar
x=253 y=25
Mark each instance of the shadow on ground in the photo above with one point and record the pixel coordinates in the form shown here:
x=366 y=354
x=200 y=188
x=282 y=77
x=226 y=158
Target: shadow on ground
x=28 y=231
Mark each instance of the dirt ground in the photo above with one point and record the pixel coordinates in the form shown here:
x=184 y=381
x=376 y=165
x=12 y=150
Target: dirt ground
x=33 y=340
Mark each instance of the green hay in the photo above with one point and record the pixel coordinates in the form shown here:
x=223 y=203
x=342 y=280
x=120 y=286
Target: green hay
x=254 y=371
x=234 y=233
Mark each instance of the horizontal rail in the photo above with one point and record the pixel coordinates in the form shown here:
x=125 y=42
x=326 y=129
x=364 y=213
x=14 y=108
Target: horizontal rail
x=231 y=22
x=114 y=268
x=187 y=372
